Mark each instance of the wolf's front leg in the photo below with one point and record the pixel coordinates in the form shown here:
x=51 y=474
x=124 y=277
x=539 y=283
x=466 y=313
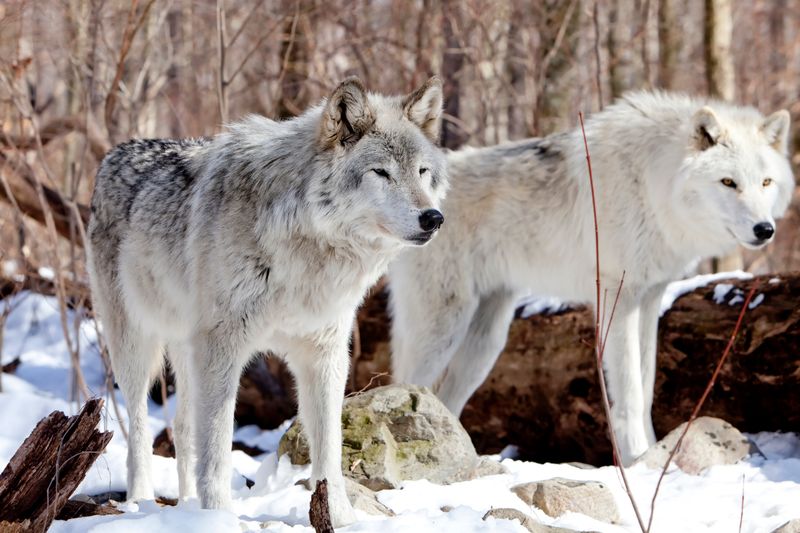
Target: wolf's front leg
x=216 y=372
x=648 y=329
x=622 y=364
x=320 y=368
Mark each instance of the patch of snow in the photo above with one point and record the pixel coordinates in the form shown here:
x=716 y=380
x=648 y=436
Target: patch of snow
x=755 y=302
x=534 y=305
x=509 y=452
x=266 y=440
x=677 y=289
x=537 y=305
x=721 y=290
x=47 y=272
x=774 y=281
x=10 y=267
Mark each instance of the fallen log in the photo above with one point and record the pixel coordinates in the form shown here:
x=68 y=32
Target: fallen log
x=48 y=467
x=543 y=395
x=22 y=185
x=79 y=509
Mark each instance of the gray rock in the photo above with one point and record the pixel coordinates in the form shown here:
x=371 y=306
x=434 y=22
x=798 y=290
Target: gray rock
x=527 y=522
x=557 y=496
x=792 y=526
x=364 y=499
x=710 y=441
x=396 y=433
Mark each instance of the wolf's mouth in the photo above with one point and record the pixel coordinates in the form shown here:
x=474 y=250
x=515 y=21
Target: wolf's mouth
x=421 y=238
x=752 y=245
x=758 y=243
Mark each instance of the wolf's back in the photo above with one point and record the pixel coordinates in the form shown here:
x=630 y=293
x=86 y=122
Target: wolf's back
x=140 y=172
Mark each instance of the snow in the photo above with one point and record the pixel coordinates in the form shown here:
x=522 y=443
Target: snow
x=676 y=289
x=756 y=301
x=535 y=304
x=708 y=502
x=721 y=290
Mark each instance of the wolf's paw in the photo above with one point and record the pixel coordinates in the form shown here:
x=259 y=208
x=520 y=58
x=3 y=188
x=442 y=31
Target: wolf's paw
x=140 y=492
x=215 y=497
x=341 y=510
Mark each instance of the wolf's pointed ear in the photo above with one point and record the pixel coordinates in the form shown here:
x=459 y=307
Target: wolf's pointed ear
x=776 y=130
x=347 y=115
x=423 y=107
x=707 y=129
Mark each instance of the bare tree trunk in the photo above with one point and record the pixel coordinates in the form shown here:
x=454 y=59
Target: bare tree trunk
x=294 y=56
x=720 y=78
x=717 y=42
x=453 y=135
x=668 y=43
x=558 y=33
x=516 y=59
x=620 y=52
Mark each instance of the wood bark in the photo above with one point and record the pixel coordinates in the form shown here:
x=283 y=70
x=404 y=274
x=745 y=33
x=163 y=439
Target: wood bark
x=717 y=46
x=78 y=509
x=47 y=468
x=668 y=43
x=319 y=512
x=23 y=191
x=718 y=32
x=453 y=135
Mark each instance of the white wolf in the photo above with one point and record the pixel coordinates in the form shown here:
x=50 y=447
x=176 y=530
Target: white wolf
x=264 y=238
x=676 y=179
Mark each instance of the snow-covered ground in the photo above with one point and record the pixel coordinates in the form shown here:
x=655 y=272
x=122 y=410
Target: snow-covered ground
x=41 y=384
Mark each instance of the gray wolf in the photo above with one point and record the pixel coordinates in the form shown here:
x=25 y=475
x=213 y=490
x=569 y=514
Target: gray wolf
x=676 y=178
x=263 y=238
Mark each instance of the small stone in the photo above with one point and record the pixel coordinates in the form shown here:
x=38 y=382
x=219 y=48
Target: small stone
x=582 y=466
x=710 y=441
x=792 y=526
x=364 y=499
x=527 y=521
x=557 y=496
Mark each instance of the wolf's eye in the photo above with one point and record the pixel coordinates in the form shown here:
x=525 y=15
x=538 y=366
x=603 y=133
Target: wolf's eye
x=728 y=182
x=422 y=171
x=767 y=182
x=382 y=172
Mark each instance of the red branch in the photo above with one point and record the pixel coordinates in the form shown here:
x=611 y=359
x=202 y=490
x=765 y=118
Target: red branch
x=703 y=398
x=600 y=339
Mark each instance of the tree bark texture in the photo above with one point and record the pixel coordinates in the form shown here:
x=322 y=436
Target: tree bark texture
x=46 y=469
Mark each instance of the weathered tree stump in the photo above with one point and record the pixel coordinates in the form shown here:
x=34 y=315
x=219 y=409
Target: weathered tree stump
x=48 y=466
x=318 y=512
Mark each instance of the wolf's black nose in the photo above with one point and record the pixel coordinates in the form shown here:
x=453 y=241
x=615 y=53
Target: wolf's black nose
x=430 y=220
x=763 y=231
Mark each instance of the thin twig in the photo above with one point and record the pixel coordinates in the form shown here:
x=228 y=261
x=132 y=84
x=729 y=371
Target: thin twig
x=222 y=82
x=702 y=400
x=598 y=80
x=599 y=342
x=132 y=26
x=741 y=508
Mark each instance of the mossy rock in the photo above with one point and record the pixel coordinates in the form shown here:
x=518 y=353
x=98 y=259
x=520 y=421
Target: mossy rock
x=396 y=433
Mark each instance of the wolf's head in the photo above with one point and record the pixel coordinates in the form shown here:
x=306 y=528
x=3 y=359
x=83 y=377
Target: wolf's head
x=386 y=176
x=736 y=179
